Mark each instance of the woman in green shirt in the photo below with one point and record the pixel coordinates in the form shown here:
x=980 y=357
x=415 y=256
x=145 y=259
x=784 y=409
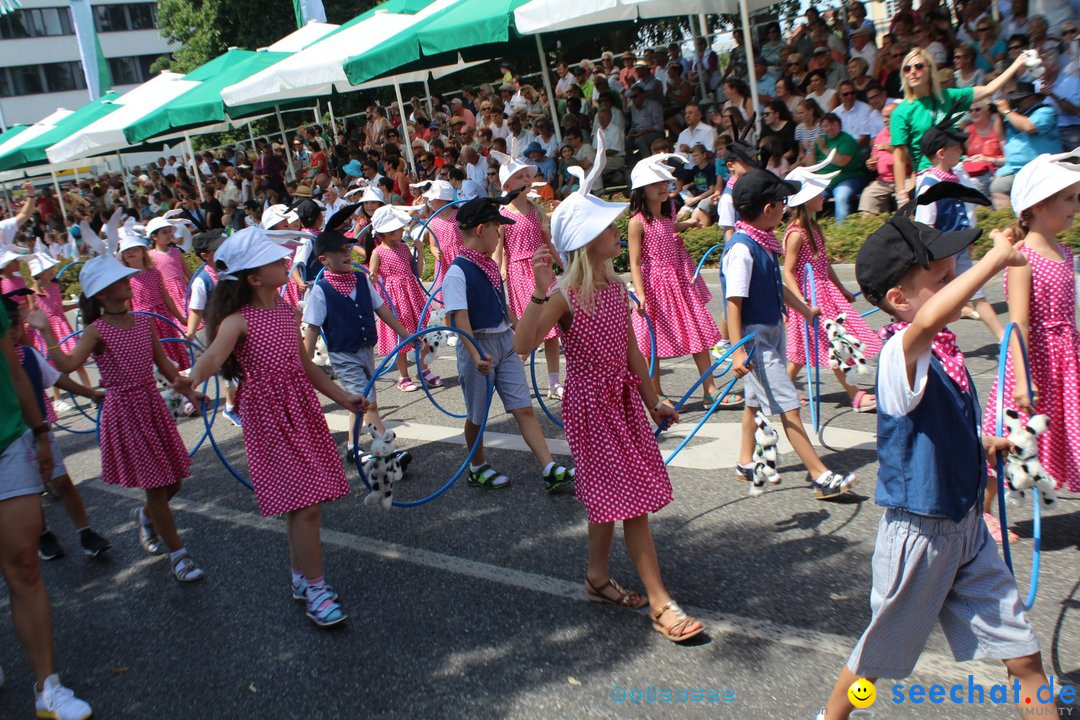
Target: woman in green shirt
x=847 y=162
x=927 y=103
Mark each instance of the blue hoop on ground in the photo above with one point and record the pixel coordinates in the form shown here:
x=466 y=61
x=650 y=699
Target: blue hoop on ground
x=1036 y=553
x=723 y=358
x=701 y=262
x=436 y=275
x=813 y=389
x=712 y=408
x=479 y=436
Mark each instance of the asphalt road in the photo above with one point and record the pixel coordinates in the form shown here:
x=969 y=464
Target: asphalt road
x=473 y=605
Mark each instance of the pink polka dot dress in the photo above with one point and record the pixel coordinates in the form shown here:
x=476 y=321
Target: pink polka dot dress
x=405 y=294
x=171 y=265
x=51 y=303
x=148 y=295
x=46 y=401
x=676 y=305
x=140 y=447
x=291 y=456
x=521 y=241
x=1054 y=359
x=832 y=303
x=11 y=284
x=446 y=231
x=619 y=471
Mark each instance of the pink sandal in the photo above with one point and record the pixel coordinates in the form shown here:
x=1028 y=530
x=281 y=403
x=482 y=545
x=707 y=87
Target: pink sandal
x=994 y=527
x=405 y=384
x=857 y=406
x=431 y=378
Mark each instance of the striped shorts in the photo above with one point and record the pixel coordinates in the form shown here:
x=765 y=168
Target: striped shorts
x=931 y=569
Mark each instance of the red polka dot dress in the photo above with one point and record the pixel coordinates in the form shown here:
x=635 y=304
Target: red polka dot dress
x=1054 y=358
x=832 y=303
x=446 y=231
x=619 y=471
x=521 y=241
x=148 y=295
x=140 y=447
x=52 y=304
x=291 y=456
x=404 y=292
x=171 y=265
x=675 y=303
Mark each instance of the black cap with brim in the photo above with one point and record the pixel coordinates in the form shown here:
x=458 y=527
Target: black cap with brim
x=741 y=152
x=479 y=211
x=937 y=138
x=208 y=241
x=899 y=244
x=761 y=186
x=1023 y=89
x=330 y=240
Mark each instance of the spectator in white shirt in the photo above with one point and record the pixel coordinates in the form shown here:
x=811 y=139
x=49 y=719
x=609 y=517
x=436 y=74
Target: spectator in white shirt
x=562 y=87
x=614 y=142
x=476 y=165
x=498 y=125
x=518 y=139
x=862 y=45
x=858 y=119
x=546 y=137
x=816 y=90
x=696 y=132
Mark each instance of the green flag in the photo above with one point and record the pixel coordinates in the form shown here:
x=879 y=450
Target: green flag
x=95 y=66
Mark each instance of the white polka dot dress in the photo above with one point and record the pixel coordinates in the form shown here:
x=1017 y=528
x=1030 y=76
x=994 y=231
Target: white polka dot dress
x=171 y=266
x=52 y=304
x=1054 y=359
x=675 y=303
x=405 y=294
x=447 y=233
x=619 y=471
x=292 y=458
x=140 y=447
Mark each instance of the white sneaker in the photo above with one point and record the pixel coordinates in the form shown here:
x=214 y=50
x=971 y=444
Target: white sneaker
x=59 y=703
x=62 y=406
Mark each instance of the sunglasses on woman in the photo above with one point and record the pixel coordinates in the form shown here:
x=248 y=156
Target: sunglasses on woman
x=914 y=66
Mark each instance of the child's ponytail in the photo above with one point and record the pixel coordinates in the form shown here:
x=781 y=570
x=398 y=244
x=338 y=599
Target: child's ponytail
x=90 y=309
x=1023 y=224
x=228 y=297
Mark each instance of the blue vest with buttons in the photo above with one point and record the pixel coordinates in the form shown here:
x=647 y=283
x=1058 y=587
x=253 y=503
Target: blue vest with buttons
x=33 y=374
x=764 y=303
x=931 y=461
x=207 y=281
x=349 y=323
x=951 y=212
x=487 y=308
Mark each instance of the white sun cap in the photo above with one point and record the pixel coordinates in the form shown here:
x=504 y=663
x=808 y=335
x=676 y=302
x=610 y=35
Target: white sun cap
x=470 y=190
x=371 y=194
x=40 y=262
x=812 y=183
x=389 y=218
x=654 y=169
x=156 y=224
x=508 y=166
x=440 y=190
x=581 y=217
x=247 y=249
x=100 y=273
x=1044 y=177
x=277 y=213
x=130 y=239
x=9 y=257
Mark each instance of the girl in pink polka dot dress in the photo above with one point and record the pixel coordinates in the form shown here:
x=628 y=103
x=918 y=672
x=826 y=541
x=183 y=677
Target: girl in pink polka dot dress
x=49 y=297
x=140 y=447
x=662 y=273
x=148 y=294
x=169 y=260
x=804 y=243
x=1042 y=302
x=295 y=465
x=520 y=241
x=443 y=228
x=620 y=474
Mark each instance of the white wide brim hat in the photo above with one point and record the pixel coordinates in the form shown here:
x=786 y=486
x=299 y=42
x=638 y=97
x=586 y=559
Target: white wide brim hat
x=40 y=262
x=276 y=214
x=440 y=190
x=156 y=224
x=100 y=273
x=389 y=218
x=248 y=249
x=470 y=190
x=654 y=169
x=9 y=257
x=508 y=166
x=371 y=194
x=1044 y=177
x=811 y=182
x=129 y=239
x=581 y=217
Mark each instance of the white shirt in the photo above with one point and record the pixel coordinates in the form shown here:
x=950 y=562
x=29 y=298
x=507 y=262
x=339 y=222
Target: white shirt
x=824 y=99
x=315 y=303
x=332 y=208
x=868 y=53
x=894 y=395
x=516 y=145
x=500 y=131
x=737 y=267
x=565 y=82
x=477 y=172
x=701 y=135
x=9 y=228
x=861 y=119
x=198 y=296
x=168 y=169
x=614 y=139
x=454 y=298
x=551 y=145
x=725 y=211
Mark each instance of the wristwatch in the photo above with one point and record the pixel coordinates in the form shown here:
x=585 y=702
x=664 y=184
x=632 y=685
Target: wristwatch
x=540 y=301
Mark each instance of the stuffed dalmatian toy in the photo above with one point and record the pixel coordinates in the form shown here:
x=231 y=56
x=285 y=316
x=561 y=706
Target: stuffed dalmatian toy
x=383 y=469
x=845 y=350
x=1023 y=470
x=766 y=456
x=440 y=338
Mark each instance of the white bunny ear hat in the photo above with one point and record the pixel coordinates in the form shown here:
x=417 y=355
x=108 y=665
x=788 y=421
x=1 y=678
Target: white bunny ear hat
x=812 y=183
x=1044 y=177
x=508 y=166
x=582 y=216
x=654 y=169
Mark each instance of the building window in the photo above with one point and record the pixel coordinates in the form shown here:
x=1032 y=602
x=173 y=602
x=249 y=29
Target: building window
x=56 y=21
x=64 y=76
x=44 y=78
x=114 y=18
x=13 y=26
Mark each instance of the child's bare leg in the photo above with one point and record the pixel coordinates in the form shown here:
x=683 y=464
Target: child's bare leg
x=746 y=440
x=230 y=395
x=534 y=436
x=157 y=509
x=793 y=371
x=704 y=361
x=639 y=543
x=472 y=431
x=402 y=364
x=851 y=390
x=551 y=355
x=839 y=706
x=1029 y=671
x=800 y=442
x=305 y=543
x=600 y=535
x=69 y=496
x=656 y=378
x=84 y=377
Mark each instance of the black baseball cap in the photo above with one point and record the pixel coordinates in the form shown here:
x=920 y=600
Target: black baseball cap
x=937 y=138
x=761 y=186
x=329 y=240
x=481 y=210
x=208 y=241
x=740 y=151
x=1022 y=90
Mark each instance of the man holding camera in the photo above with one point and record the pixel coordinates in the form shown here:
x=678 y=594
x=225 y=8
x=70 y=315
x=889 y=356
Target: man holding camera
x=1031 y=129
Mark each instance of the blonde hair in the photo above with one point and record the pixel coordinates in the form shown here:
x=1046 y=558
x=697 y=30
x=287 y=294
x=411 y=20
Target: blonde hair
x=581 y=278
x=146 y=263
x=932 y=68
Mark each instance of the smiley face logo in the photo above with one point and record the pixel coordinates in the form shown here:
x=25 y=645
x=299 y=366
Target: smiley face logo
x=862 y=693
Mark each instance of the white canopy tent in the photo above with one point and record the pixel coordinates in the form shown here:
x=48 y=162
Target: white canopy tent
x=39 y=128
x=299 y=39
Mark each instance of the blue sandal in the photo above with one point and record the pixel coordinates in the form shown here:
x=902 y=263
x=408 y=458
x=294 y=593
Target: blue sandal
x=323 y=609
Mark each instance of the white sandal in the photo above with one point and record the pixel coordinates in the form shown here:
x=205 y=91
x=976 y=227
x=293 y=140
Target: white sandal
x=185 y=570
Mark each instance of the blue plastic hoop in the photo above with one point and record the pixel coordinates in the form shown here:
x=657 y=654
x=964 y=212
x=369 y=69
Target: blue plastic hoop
x=701 y=262
x=1036 y=553
x=813 y=388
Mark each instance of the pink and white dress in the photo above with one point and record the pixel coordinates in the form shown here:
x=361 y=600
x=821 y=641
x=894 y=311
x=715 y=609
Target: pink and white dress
x=675 y=303
x=171 y=265
x=446 y=231
x=148 y=295
x=831 y=301
x=619 y=471
x=140 y=446
x=291 y=455
x=403 y=291
x=521 y=241
x=1054 y=358
x=52 y=304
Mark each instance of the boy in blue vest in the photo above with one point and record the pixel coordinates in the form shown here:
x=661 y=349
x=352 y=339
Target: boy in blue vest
x=342 y=304
x=944 y=146
x=474 y=298
x=755 y=299
x=934 y=560
x=205 y=244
